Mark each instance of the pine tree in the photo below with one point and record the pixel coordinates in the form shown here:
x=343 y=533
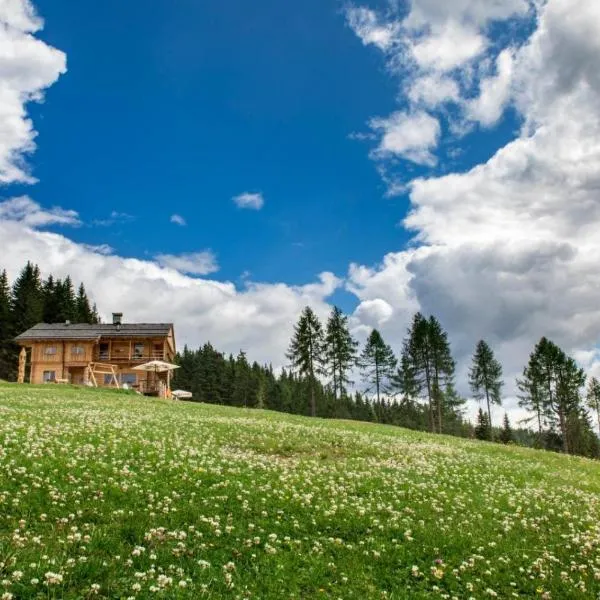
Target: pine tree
x=83 y=310
x=6 y=329
x=430 y=367
x=485 y=377
x=49 y=300
x=377 y=363
x=506 y=434
x=242 y=384
x=483 y=431
x=340 y=351
x=551 y=384
x=593 y=398
x=306 y=351
x=27 y=301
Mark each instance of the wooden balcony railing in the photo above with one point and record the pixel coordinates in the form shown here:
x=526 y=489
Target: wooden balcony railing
x=135 y=357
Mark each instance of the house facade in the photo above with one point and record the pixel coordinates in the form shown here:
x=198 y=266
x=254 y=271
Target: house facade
x=99 y=355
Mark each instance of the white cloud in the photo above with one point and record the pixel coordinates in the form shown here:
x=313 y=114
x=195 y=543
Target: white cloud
x=366 y=25
x=114 y=218
x=409 y=135
x=495 y=91
x=178 y=220
x=434 y=90
x=439 y=51
x=103 y=249
x=27 y=67
x=249 y=200
x=258 y=318
x=192 y=263
x=448 y=47
x=24 y=210
x=509 y=248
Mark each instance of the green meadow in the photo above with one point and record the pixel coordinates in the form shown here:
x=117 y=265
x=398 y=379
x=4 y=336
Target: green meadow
x=110 y=495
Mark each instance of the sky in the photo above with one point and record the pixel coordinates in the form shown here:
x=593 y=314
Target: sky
x=221 y=167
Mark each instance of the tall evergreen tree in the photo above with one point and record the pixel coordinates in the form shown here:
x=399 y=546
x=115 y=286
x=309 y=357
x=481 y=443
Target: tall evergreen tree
x=27 y=301
x=429 y=367
x=483 y=430
x=506 y=434
x=485 y=377
x=377 y=363
x=340 y=351
x=306 y=351
x=593 y=398
x=83 y=311
x=551 y=384
x=6 y=329
x=50 y=300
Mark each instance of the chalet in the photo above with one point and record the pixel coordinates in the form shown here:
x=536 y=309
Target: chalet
x=98 y=355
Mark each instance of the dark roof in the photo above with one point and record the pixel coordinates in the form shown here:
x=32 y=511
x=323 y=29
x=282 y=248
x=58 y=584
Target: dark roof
x=62 y=331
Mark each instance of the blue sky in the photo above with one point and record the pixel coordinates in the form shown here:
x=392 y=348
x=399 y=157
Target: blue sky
x=180 y=108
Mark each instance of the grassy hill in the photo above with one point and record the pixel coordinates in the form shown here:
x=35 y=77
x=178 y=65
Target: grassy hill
x=106 y=494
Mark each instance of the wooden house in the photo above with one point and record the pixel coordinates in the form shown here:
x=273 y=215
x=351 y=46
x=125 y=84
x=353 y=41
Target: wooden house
x=99 y=355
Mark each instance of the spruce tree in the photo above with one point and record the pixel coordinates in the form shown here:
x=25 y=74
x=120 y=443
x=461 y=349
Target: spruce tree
x=340 y=351
x=377 y=362
x=485 y=377
x=50 y=300
x=483 y=431
x=593 y=398
x=506 y=434
x=551 y=384
x=83 y=310
x=306 y=351
x=429 y=366
x=27 y=301
x=6 y=330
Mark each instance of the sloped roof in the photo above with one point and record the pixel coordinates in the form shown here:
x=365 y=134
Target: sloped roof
x=62 y=331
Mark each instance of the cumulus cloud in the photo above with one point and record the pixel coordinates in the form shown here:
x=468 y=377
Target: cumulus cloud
x=24 y=210
x=369 y=28
x=440 y=53
x=178 y=220
x=27 y=67
x=249 y=200
x=410 y=135
x=507 y=250
x=192 y=263
x=258 y=318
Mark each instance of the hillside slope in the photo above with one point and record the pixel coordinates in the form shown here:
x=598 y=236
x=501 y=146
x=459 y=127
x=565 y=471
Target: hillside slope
x=106 y=494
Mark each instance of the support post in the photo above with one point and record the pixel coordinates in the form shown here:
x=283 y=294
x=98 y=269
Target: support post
x=22 y=361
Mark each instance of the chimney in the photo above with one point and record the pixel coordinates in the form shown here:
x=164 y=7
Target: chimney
x=117 y=318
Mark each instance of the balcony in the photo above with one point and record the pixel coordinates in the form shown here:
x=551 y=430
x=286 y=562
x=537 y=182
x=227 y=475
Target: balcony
x=118 y=358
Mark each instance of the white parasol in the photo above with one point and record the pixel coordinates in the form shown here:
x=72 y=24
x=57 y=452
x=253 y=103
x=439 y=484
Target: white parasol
x=158 y=366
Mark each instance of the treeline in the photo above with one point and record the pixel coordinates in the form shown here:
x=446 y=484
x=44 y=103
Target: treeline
x=31 y=300
x=415 y=389
x=217 y=378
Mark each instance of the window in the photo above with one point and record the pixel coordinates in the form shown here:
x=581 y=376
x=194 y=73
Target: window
x=128 y=378
x=49 y=376
x=50 y=350
x=108 y=379
x=138 y=350
x=77 y=351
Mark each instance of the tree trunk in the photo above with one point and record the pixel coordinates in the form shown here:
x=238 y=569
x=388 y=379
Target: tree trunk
x=377 y=380
x=428 y=380
x=563 y=429
x=313 y=403
x=487 y=397
x=438 y=399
